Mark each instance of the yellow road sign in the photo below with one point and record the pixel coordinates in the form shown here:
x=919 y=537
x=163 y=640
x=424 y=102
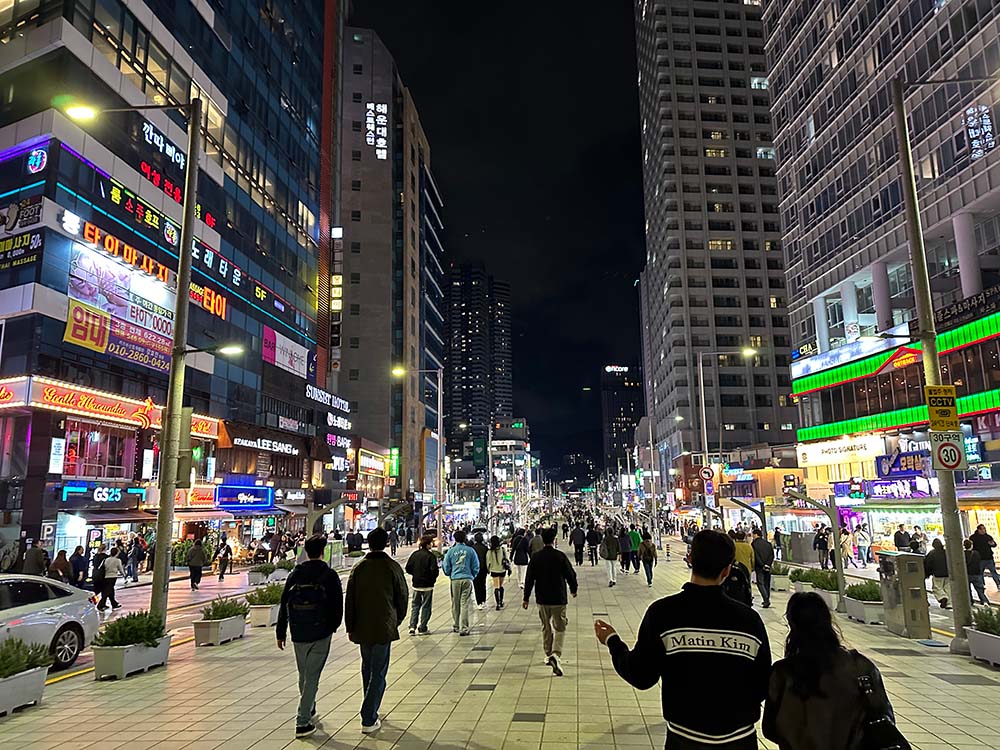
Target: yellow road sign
x=942 y=407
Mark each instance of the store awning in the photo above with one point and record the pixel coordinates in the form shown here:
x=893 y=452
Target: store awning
x=98 y=517
x=293 y=510
x=275 y=511
x=196 y=514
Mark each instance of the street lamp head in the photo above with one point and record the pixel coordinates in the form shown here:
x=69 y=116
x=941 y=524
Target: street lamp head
x=749 y=351
x=463 y=426
x=230 y=350
x=678 y=418
x=81 y=112
x=398 y=371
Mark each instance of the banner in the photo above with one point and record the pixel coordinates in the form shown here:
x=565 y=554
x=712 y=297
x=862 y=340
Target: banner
x=282 y=352
x=87 y=326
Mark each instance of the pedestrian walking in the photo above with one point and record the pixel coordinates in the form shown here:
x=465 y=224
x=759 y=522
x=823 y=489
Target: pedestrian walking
x=635 y=539
x=79 y=563
x=36 y=560
x=691 y=640
x=461 y=565
x=777 y=536
x=763 y=559
x=625 y=550
x=744 y=551
x=863 y=540
x=821 y=545
x=936 y=566
x=984 y=545
x=393 y=541
x=565 y=529
x=610 y=551
x=479 y=582
x=593 y=542
x=536 y=543
x=61 y=568
x=918 y=541
x=133 y=558
x=111 y=570
x=498 y=566
x=423 y=569
x=973 y=566
x=822 y=695
x=196 y=561
x=374 y=608
x=647 y=556
x=224 y=554
x=312 y=607
x=549 y=573
x=520 y=554
x=578 y=538
x=847 y=547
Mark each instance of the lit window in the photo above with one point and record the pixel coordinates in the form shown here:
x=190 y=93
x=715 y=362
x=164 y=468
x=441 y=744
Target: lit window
x=786 y=425
x=765 y=152
x=774 y=302
x=717 y=135
x=720 y=244
x=718 y=153
x=729 y=426
x=758 y=82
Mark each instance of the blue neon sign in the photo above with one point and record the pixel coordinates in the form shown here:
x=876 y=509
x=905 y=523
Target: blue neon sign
x=244 y=498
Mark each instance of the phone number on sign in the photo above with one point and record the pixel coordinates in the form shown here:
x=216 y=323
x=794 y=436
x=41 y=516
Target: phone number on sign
x=125 y=350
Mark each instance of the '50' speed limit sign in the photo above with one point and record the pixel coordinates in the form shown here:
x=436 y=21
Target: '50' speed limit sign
x=948 y=451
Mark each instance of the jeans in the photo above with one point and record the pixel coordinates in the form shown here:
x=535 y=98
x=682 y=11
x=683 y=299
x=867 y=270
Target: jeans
x=553 y=617
x=461 y=590
x=634 y=557
x=195 y=571
x=863 y=554
x=764 y=586
x=592 y=552
x=823 y=557
x=991 y=566
x=979 y=584
x=578 y=550
x=647 y=565
x=421 y=606
x=132 y=570
x=310 y=658
x=223 y=567
x=374 y=667
x=612 y=570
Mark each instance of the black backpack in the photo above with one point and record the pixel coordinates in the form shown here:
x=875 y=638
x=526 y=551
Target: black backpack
x=307 y=611
x=737 y=585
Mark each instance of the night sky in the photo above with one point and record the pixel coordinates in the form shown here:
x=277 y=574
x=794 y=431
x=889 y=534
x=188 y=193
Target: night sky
x=531 y=110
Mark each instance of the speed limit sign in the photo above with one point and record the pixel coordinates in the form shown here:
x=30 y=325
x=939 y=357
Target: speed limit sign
x=948 y=451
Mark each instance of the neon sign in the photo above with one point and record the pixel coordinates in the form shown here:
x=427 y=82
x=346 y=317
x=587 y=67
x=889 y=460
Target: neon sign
x=37 y=160
x=164 y=145
x=377 y=129
x=174 y=191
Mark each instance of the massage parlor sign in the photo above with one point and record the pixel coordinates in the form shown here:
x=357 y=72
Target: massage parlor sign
x=52 y=394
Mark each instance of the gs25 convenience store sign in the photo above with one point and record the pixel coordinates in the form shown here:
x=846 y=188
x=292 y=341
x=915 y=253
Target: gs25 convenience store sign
x=44 y=393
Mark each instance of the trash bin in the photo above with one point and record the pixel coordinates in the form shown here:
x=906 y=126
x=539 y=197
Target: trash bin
x=904 y=596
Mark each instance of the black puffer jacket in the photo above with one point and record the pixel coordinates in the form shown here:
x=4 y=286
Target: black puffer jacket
x=376 y=600
x=936 y=563
x=423 y=566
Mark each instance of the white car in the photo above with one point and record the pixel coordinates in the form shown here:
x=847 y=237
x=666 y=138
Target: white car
x=41 y=610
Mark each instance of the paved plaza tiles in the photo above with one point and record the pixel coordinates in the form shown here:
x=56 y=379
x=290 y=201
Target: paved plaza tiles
x=487 y=692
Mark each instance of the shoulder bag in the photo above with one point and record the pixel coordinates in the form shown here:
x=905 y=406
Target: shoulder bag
x=878 y=731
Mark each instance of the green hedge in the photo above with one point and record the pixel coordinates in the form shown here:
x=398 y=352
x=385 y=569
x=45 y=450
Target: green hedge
x=869 y=591
x=825 y=580
x=133 y=629
x=265 y=595
x=221 y=609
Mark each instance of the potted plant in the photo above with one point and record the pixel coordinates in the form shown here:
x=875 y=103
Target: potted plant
x=281 y=570
x=259 y=574
x=824 y=583
x=221 y=621
x=23 y=670
x=779 y=577
x=864 y=602
x=984 y=638
x=265 y=603
x=800 y=579
x=134 y=643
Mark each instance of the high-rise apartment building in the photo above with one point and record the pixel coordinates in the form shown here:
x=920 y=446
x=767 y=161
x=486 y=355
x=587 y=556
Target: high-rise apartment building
x=847 y=248
x=90 y=241
x=478 y=380
x=393 y=273
x=621 y=410
x=713 y=283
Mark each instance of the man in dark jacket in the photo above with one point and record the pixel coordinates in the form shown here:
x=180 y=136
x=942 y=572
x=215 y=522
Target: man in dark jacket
x=593 y=542
x=423 y=567
x=689 y=641
x=984 y=544
x=479 y=582
x=821 y=544
x=763 y=559
x=374 y=609
x=973 y=566
x=936 y=566
x=625 y=549
x=79 y=562
x=577 y=538
x=312 y=604
x=902 y=539
x=548 y=573
x=520 y=553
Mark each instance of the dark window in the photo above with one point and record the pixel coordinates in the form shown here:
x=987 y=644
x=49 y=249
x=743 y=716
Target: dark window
x=356 y=97
x=358 y=69
x=20 y=593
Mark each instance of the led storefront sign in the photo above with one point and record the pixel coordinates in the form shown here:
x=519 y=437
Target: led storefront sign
x=371 y=463
x=232 y=497
x=615 y=369
x=979 y=129
x=164 y=145
x=20 y=250
x=830 y=452
x=327 y=399
x=38 y=159
x=377 y=128
x=268 y=445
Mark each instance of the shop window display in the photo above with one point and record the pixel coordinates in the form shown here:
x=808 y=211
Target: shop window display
x=98 y=450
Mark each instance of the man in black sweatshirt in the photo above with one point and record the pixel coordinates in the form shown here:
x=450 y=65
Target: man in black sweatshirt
x=548 y=573
x=312 y=603
x=694 y=642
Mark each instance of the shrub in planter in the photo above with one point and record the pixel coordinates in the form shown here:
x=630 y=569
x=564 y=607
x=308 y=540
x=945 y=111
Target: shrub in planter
x=221 y=621
x=864 y=602
x=779 y=577
x=288 y=565
x=258 y=574
x=264 y=605
x=134 y=643
x=984 y=638
x=281 y=570
x=355 y=553
x=801 y=578
x=23 y=669
x=824 y=583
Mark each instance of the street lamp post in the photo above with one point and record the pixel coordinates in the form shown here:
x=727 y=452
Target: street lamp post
x=173 y=411
x=961 y=600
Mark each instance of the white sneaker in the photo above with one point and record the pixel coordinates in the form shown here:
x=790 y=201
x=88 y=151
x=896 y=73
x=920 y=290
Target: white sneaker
x=373 y=728
x=556 y=666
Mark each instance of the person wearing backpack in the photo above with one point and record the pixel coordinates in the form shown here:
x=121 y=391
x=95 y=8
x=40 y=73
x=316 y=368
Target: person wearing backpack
x=647 y=556
x=312 y=607
x=822 y=695
x=609 y=550
x=737 y=584
x=375 y=607
x=224 y=554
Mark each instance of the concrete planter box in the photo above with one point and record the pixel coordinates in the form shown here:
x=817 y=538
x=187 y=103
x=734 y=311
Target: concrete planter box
x=865 y=612
x=830 y=597
x=217 y=632
x=801 y=586
x=779 y=583
x=255 y=579
x=121 y=661
x=278 y=575
x=23 y=689
x=264 y=615
x=984 y=646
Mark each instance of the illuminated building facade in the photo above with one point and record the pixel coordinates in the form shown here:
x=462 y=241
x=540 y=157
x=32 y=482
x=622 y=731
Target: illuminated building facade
x=89 y=247
x=621 y=410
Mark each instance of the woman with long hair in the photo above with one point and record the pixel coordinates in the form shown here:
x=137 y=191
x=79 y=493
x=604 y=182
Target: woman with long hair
x=497 y=565
x=821 y=695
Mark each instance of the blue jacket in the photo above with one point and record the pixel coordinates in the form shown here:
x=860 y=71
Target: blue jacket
x=461 y=563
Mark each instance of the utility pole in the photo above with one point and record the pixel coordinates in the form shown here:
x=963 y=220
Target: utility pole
x=961 y=599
